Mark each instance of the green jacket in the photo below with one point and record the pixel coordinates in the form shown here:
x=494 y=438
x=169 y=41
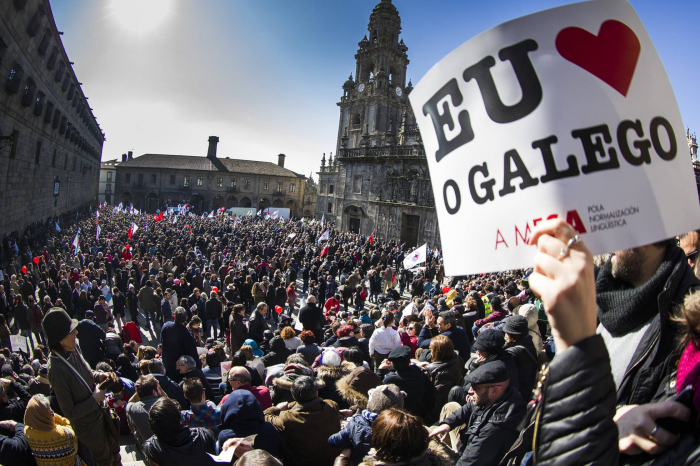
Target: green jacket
x=74 y=398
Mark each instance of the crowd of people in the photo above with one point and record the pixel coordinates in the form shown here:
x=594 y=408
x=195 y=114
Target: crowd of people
x=252 y=340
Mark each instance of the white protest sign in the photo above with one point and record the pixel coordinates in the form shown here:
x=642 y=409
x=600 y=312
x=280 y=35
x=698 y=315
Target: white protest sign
x=19 y=342
x=564 y=113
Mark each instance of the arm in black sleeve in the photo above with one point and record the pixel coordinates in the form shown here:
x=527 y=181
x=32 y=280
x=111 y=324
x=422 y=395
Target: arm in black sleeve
x=426 y=334
x=15 y=449
x=21 y=392
x=576 y=420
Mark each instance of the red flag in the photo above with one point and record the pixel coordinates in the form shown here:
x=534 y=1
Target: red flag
x=160 y=215
x=131 y=232
x=324 y=251
x=371 y=239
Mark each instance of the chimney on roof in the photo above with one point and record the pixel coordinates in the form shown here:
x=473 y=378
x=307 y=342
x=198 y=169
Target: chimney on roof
x=123 y=157
x=213 y=141
x=131 y=155
x=280 y=160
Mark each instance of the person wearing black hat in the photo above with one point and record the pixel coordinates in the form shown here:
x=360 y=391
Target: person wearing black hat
x=489 y=347
x=491 y=416
x=77 y=394
x=397 y=369
x=519 y=344
x=91 y=339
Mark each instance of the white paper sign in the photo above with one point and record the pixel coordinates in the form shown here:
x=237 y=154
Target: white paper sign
x=19 y=342
x=564 y=113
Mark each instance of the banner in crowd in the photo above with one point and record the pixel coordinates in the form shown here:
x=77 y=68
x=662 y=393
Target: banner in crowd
x=567 y=113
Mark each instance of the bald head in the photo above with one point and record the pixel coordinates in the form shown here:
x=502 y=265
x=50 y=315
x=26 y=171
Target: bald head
x=237 y=376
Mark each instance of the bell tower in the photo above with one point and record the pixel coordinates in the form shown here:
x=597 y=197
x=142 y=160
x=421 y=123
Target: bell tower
x=374 y=103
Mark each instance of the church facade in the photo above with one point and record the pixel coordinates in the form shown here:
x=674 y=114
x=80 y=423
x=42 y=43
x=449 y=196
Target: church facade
x=379 y=180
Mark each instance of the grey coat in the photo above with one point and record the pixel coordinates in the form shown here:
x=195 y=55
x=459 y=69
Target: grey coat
x=74 y=398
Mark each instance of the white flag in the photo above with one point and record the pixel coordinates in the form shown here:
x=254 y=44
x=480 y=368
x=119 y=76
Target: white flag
x=211 y=214
x=415 y=257
x=323 y=219
x=75 y=241
x=324 y=237
x=134 y=228
x=97 y=234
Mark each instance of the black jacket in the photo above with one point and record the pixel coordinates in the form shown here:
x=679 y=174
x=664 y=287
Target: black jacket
x=278 y=352
x=444 y=376
x=14 y=449
x=190 y=447
x=489 y=432
x=311 y=317
x=173 y=390
x=14 y=409
x=91 y=338
x=456 y=334
x=656 y=356
x=213 y=309
x=257 y=327
x=575 y=413
x=177 y=341
x=525 y=357
x=415 y=384
x=239 y=332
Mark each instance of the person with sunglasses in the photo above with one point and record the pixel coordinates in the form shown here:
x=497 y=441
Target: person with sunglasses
x=690 y=243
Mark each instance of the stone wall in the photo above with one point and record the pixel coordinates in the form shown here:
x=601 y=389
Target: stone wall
x=53 y=136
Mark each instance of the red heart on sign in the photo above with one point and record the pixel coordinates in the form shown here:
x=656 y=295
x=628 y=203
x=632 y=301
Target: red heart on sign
x=611 y=56
x=36 y=260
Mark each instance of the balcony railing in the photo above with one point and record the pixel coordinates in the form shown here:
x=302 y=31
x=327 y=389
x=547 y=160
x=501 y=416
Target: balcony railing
x=279 y=192
x=382 y=151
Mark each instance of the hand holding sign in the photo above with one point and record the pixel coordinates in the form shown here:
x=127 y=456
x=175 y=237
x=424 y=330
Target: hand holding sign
x=565 y=113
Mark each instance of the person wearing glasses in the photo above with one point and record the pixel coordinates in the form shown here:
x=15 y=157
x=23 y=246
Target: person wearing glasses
x=690 y=243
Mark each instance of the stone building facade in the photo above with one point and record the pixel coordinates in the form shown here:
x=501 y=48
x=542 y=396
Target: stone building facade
x=379 y=180
x=50 y=142
x=108 y=175
x=155 y=181
x=310 y=194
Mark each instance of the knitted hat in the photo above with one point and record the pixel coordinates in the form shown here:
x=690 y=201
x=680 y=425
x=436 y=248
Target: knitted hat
x=57 y=325
x=385 y=397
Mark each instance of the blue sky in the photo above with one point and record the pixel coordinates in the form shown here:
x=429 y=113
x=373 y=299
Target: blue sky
x=265 y=75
